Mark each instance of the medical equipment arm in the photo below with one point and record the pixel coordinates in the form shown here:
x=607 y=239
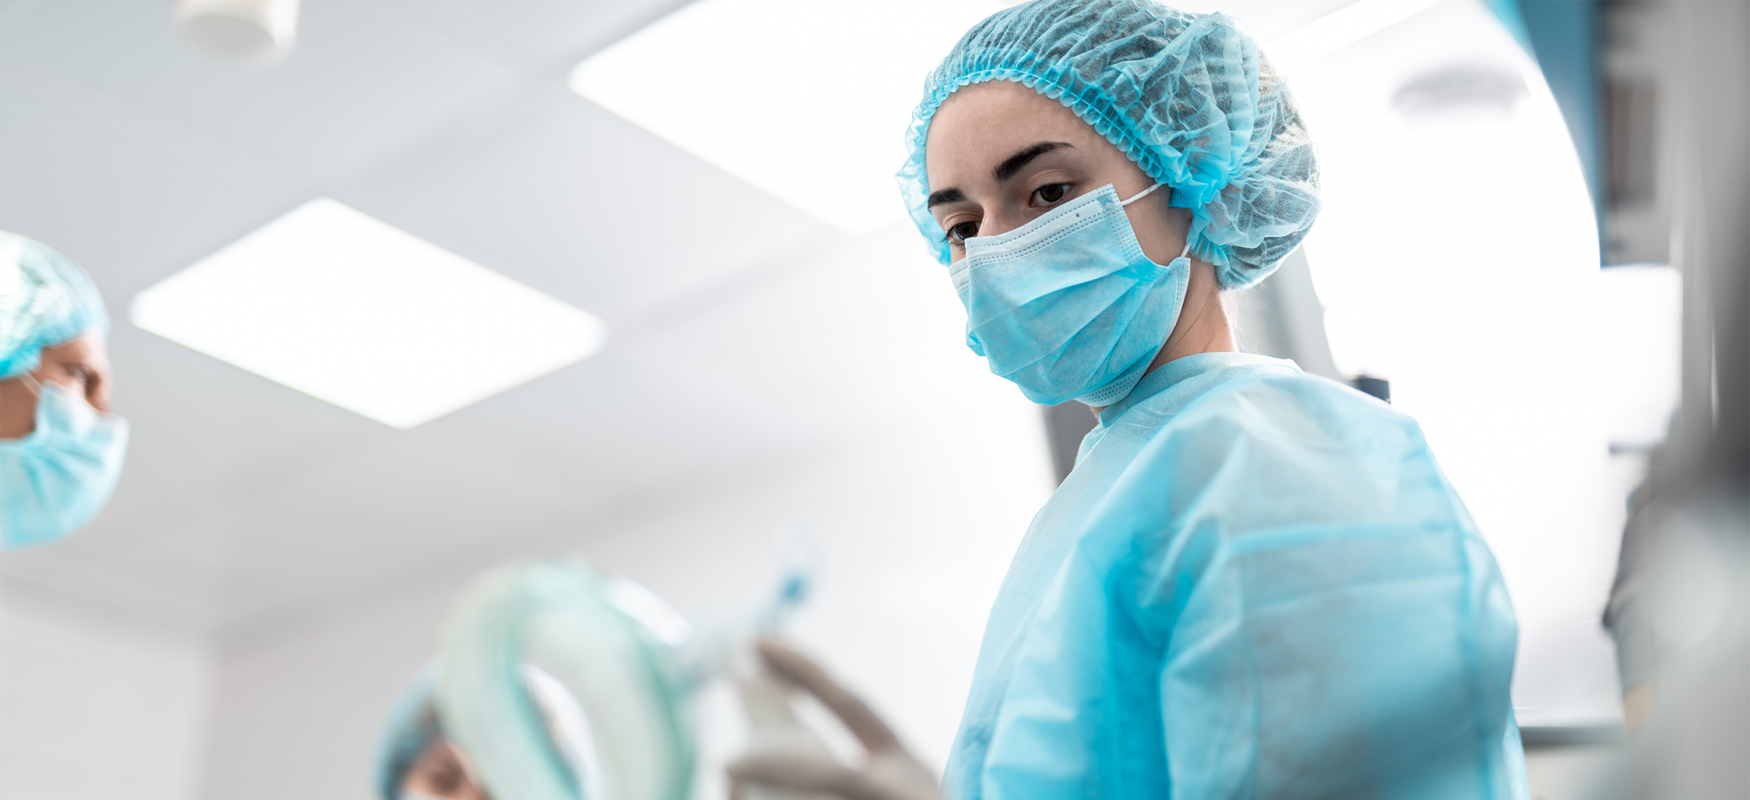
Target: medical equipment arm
x=889 y=771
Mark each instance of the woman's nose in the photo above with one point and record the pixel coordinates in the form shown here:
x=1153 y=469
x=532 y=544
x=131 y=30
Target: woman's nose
x=998 y=222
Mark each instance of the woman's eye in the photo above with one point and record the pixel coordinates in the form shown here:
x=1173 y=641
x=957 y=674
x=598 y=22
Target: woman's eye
x=69 y=375
x=960 y=233
x=1046 y=195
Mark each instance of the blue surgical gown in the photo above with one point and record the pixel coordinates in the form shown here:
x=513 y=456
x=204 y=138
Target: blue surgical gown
x=1256 y=583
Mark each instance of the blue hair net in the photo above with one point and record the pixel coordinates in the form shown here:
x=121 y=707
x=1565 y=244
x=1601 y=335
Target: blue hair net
x=413 y=725
x=45 y=300
x=1188 y=97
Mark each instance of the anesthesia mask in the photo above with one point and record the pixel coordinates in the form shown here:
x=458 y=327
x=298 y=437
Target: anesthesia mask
x=631 y=663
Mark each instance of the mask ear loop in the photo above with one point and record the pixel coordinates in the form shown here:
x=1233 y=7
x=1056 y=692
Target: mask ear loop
x=1141 y=194
x=31 y=383
x=1145 y=193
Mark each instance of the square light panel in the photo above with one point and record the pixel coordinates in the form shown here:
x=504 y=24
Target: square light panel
x=346 y=308
x=806 y=100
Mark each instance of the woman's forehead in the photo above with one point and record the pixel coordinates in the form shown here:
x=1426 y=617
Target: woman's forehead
x=88 y=346
x=986 y=121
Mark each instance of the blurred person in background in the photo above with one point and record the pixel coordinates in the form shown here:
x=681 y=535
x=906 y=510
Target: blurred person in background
x=60 y=448
x=1255 y=582
x=1679 y=608
x=418 y=761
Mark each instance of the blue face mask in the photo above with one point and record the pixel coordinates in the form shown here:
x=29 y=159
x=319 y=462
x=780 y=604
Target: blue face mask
x=1067 y=306
x=55 y=480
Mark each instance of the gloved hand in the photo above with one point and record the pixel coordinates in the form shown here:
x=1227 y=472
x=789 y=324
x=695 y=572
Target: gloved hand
x=888 y=771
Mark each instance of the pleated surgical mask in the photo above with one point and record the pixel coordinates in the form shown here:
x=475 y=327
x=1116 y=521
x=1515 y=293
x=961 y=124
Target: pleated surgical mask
x=54 y=480
x=1067 y=306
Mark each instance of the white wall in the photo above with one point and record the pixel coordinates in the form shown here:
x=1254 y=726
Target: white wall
x=297 y=715
x=95 y=708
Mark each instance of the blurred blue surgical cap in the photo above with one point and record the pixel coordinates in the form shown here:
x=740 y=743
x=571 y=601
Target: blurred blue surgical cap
x=1186 y=96
x=415 y=723
x=45 y=300
x=412 y=726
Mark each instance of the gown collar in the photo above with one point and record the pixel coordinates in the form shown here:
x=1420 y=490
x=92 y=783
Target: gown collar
x=1163 y=377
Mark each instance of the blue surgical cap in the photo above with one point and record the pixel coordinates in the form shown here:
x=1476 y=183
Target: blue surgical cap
x=415 y=724
x=45 y=300
x=412 y=726
x=1188 y=97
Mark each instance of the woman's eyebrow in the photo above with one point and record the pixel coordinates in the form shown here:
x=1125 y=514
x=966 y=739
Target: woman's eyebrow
x=1003 y=171
x=1014 y=163
x=945 y=196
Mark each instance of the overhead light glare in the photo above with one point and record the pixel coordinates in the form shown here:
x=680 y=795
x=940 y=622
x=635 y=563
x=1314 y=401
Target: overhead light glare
x=256 y=32
x=1339 y=29
x=806 y=100
x=346 y=308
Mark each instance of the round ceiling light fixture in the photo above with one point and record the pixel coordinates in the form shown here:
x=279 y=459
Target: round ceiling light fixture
x=255 y=32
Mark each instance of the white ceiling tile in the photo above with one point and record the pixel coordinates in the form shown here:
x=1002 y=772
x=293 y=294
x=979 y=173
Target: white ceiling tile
x=362 y=79
x=529 y=32
x=127 y=212
x=142 y=587
x=576 y=202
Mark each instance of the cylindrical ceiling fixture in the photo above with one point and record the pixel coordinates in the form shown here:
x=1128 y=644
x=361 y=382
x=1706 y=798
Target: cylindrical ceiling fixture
x=256 y=32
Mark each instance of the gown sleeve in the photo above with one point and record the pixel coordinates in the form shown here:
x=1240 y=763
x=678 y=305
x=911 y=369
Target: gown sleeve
x=1328 y=622
x=1279 y=597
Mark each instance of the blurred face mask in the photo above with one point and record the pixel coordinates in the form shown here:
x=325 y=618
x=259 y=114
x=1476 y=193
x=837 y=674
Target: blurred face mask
x=1067 y=306
x=55 y=480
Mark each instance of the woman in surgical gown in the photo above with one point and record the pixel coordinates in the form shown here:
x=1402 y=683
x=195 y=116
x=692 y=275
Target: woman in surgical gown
x=60 y=448
x=1255 y=582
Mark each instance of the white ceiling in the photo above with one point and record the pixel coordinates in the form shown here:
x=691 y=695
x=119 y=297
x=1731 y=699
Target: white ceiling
x=244 y=501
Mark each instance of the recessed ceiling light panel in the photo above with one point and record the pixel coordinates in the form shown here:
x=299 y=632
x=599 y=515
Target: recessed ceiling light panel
x=346 y=308
x=807 y=100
